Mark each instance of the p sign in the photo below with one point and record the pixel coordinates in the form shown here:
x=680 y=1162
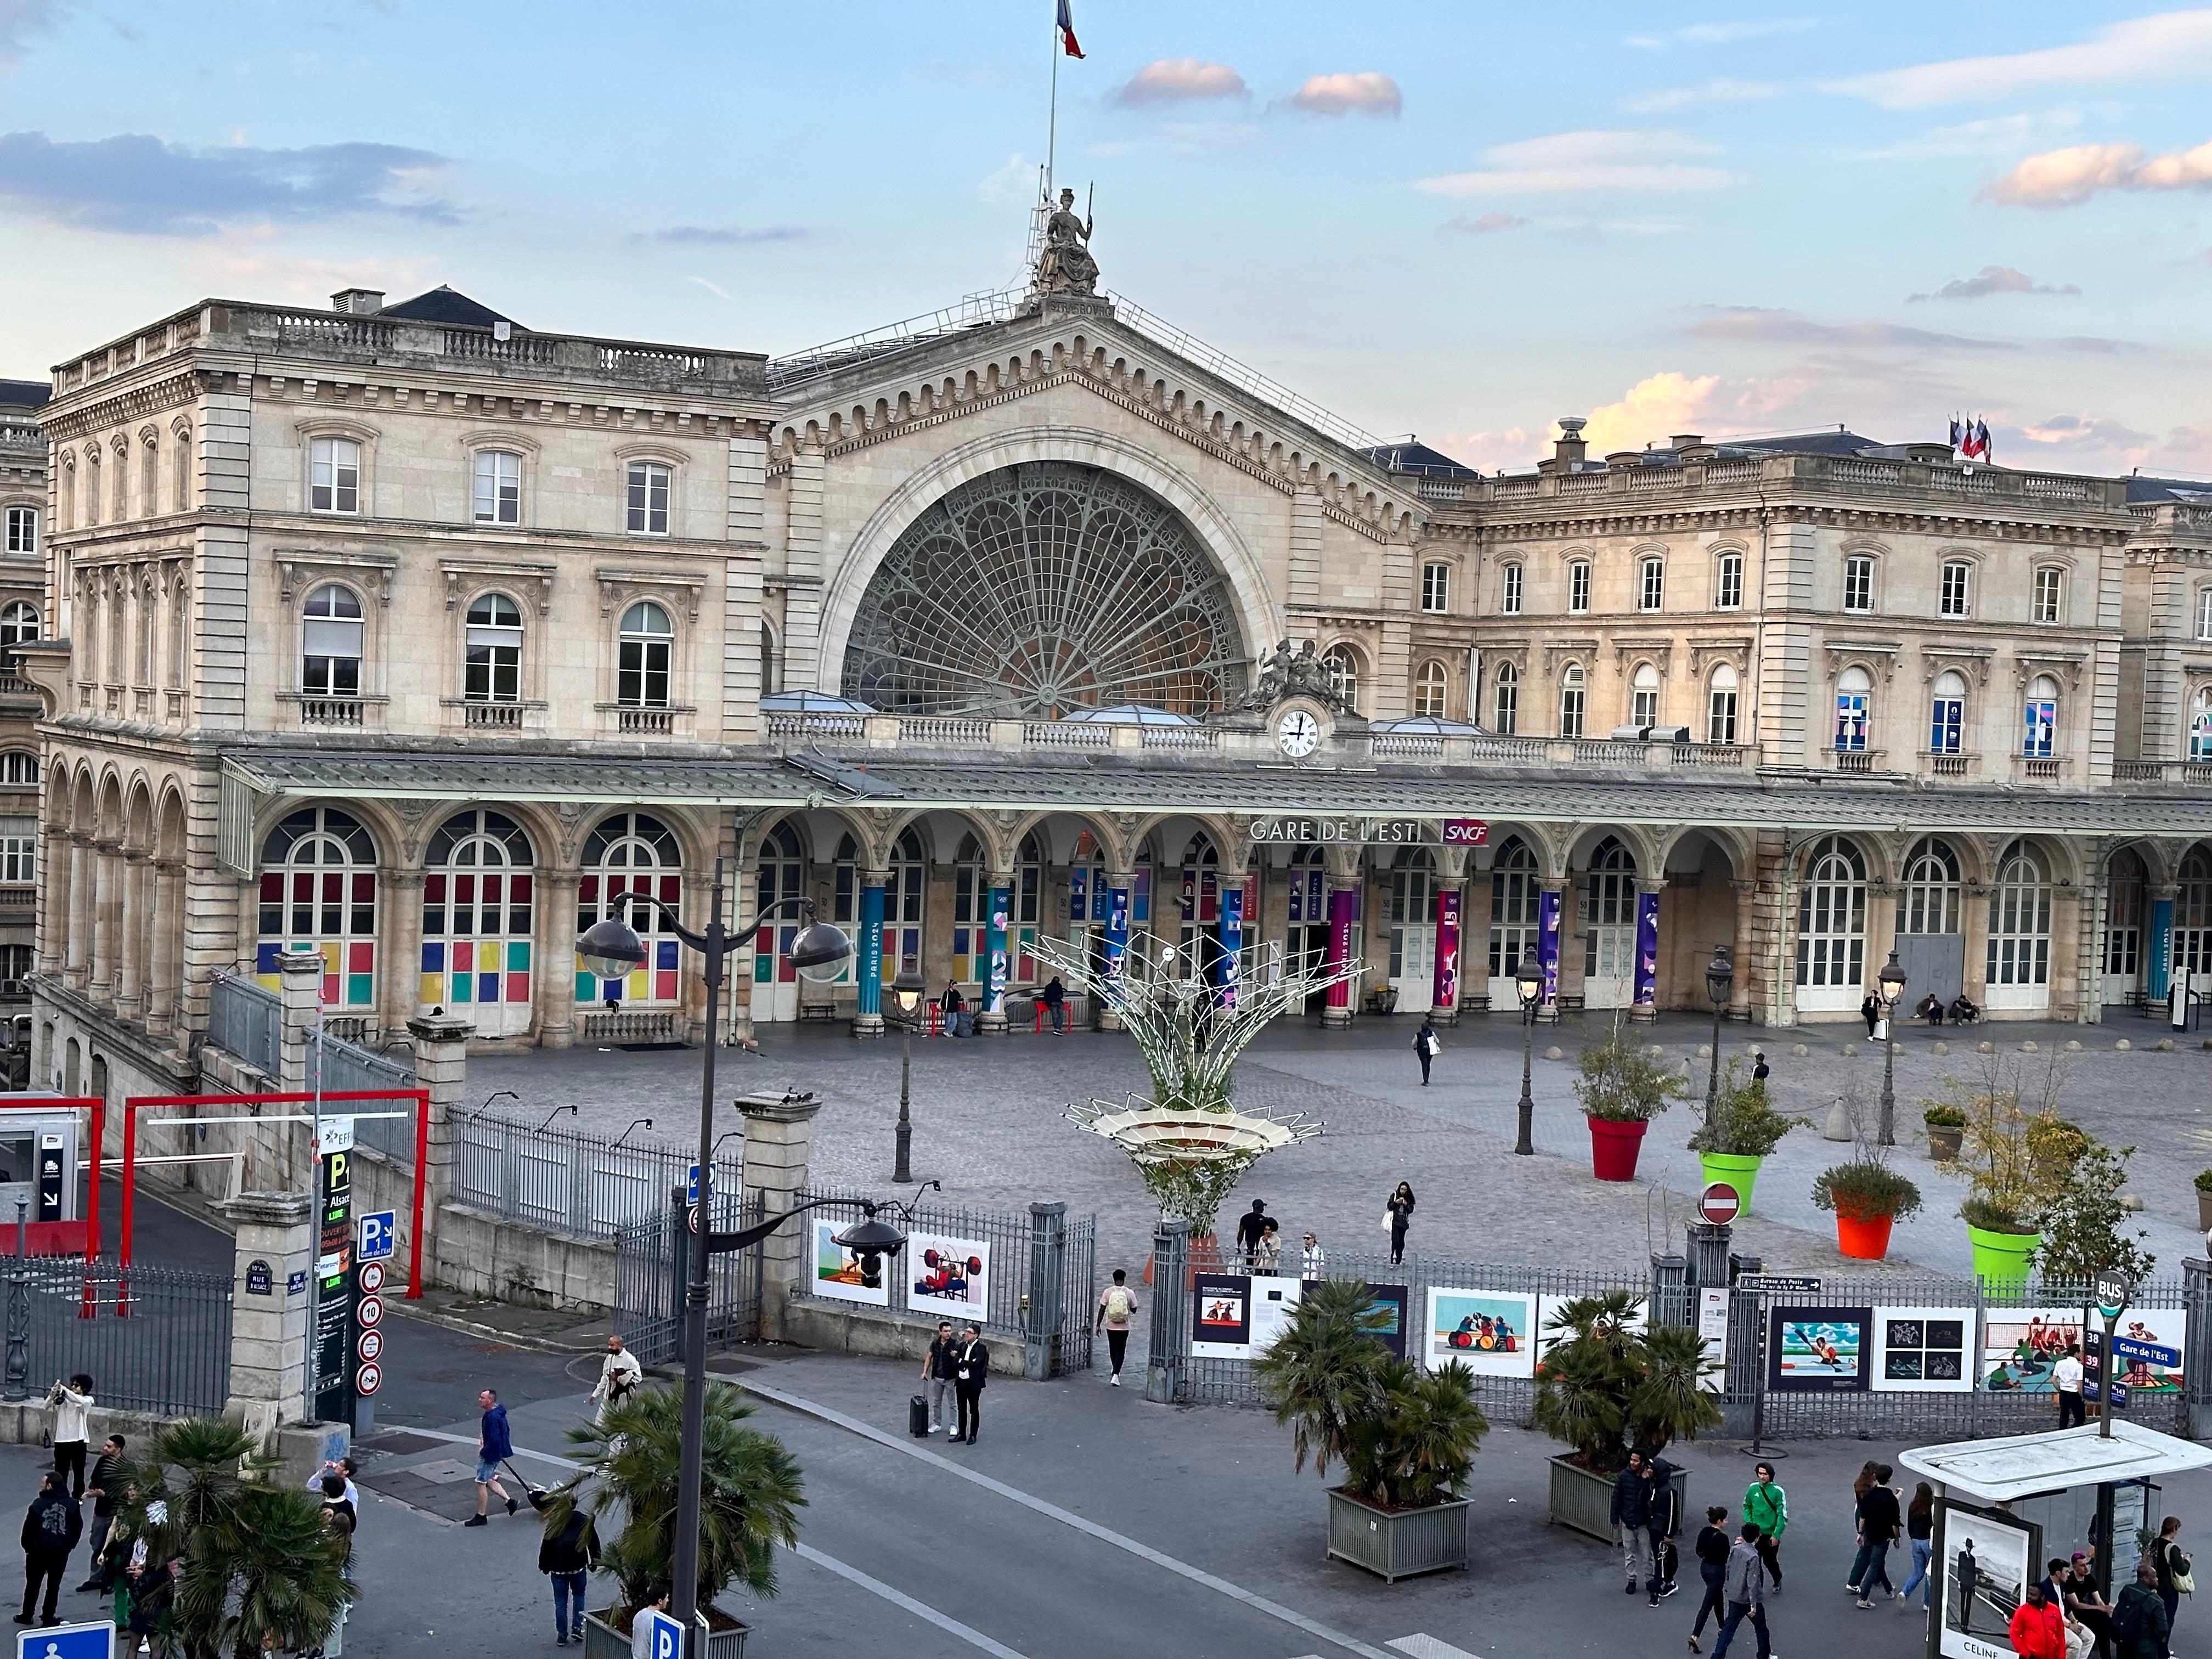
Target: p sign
x=68 y=1642
x=379 y=1237
x=665 y=1639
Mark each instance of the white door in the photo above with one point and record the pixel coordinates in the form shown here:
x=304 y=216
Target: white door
x=1609 y=970
x=1609 y=927
x=1413 y=932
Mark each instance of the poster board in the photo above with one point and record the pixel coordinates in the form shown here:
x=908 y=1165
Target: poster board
x=1274 y=1298
x=1393 y=1300
x=2020 y=1346
x=1982 y=1567
x=949 y=1276
x=837 y=1270
x=1924 y=1350
x=2152 y=1328
x=1547 y=1309
x=1818 y=1350
x=1490 y=1332
x=1220 y=1316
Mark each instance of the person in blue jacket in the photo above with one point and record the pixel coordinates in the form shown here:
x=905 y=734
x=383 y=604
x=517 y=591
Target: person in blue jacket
x=494 y=1446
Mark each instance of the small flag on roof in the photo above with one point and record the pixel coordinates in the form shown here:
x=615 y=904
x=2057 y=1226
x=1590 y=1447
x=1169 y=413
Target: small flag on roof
x=1066 y=18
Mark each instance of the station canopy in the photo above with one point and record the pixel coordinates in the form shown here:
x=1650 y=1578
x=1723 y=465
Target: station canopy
x=2015 y=1465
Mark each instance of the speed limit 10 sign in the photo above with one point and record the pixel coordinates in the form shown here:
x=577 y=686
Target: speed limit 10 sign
x=370 y=1313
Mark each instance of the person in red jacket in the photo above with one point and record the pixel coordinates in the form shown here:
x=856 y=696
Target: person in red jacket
x=2037 y=1631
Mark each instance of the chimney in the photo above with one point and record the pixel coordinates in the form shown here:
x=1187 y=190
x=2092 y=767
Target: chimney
x=1568 y=449
x=360 y=301
x=1682 y=441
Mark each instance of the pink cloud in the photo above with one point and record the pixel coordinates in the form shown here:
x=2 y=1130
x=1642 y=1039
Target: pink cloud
x=1177 y=80
x=2068 y=177
x=1362 y=93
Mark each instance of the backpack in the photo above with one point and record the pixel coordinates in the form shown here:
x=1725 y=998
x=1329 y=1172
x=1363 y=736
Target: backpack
x=1119 y=1304
x=2127 y=1622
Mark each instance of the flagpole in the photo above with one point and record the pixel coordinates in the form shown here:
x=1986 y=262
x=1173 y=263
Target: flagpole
x=1052 y=121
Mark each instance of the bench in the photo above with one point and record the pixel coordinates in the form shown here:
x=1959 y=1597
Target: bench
x=817 y=1011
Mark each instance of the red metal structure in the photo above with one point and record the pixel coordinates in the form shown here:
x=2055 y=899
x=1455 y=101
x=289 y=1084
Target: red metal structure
x=66 y=1237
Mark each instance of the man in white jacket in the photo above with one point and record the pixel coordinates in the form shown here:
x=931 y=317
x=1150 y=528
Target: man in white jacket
x=619 y=1372
x=71 y=1401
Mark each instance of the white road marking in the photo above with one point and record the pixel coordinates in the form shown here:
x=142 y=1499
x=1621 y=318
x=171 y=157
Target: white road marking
x=975 y=1638
x=1427 y=1647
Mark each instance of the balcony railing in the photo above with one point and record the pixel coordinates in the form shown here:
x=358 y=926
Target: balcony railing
x=331 y=711
x=492 y=716
x=645 y=722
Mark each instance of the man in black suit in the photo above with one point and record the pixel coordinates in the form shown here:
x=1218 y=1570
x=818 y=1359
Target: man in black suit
x=972 y=1368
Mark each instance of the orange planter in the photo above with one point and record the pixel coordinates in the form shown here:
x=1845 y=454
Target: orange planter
x=1863 y=1238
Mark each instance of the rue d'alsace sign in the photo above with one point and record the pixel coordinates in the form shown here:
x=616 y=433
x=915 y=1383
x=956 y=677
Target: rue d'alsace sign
x=1370 y=832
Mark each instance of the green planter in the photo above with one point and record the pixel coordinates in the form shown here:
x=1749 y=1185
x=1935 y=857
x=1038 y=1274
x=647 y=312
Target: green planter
x=2002 y=1258
x=1740 y=1173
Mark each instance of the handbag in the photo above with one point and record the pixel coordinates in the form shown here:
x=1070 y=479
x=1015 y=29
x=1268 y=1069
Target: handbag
x=1386 y=1221
x=2184 y=1581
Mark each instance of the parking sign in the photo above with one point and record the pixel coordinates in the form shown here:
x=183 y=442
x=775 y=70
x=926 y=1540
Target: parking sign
x=72 y=1642
x=668 y=1641
x=379 y=1236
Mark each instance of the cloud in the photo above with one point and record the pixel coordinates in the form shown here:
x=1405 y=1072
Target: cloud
x=1792 y=328
x=1487 y=451
x=714 y=289
x=1712 y=92
x=135 y=182
x=1997 y=279
x=1363 y=93
x=1722 y=34
x=2000 y=135
x=720 y=235
x=1656 y=406
x=1487 y=224
x=1017 y=181
x=2083 y=428
x=2167 y=44
x=1649 y=162
x=21 y=19
x=1174 y=80
x=2068 y=177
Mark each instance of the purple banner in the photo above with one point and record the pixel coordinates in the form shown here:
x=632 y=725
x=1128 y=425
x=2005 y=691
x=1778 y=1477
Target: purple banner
x=1343 y=906
x=1547 y=944
x=1232 y=942
x=1647 y=949
x=1446 y=990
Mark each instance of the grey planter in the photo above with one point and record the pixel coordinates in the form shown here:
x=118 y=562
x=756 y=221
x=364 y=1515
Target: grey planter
x=1585 y=1501
x=1397 y=1543
x=603 y=1641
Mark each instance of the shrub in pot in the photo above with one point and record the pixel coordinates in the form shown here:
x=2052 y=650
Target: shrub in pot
x=2204 y=1199
x=1740 y=1132
x=1621 y=1089
x=1947 y=1126
x=2080 y=1221
x=1407 y=1439
x=1868 y=1197
x=2014 y=1152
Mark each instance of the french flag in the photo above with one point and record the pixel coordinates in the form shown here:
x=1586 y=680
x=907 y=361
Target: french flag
x=1066 y=19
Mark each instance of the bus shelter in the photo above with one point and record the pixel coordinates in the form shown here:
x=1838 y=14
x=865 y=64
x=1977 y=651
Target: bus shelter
x=2008 y=1506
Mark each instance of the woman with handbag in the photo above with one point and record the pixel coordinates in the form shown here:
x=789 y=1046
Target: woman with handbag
x=1397 y=1216
x=2174 y=1578
x=1426 y=1045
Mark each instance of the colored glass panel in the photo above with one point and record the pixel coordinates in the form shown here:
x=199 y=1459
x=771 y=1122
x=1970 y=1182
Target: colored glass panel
x=434 y=958
x=430 y=988
x=518 y=955
x=664 y=986
x=464 y=987
x=361 y=990
x=518 y=987
x=487 y=987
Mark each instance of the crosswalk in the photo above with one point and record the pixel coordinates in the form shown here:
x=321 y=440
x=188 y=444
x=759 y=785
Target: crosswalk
x=1417 y=1646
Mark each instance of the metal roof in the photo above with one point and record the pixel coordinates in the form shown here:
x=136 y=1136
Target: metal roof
x=2016 y=1465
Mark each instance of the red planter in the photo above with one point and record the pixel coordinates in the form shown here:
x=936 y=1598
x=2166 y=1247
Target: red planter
x=1614 y=1147
x=1863 y=1238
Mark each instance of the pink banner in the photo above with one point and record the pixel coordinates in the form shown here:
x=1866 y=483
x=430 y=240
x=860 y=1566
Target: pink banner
x=1446 y=990
x=1343 y=905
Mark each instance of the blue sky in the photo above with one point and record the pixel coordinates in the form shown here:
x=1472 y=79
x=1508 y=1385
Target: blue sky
x=1457 y=219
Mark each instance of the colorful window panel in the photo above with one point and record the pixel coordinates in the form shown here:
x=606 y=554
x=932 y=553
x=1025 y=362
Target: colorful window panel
x=476 y=936
x=316 y=895
x=595 y=895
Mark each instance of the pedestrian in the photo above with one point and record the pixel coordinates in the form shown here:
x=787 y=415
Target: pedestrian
x=338 y=1519
x=144 y=1596
x=2142 y=1627
x=1713 y=1549
x=1766 y=1507
x=1878 y=1524
x=2085 y=1599
x=971 y=1369
x=567 y=1555
x=1055 y=999
x=2037 y=1631
x=105 y=1488
x=619 y=1372
x=1745 y=1587
x=937 y=1376
x=1267 y=1254
x=1758 y=1067
x=345 y=1468
x=1632 y=1520
x=2066 y=1378
x=641 y=1630
x=1313 y=1260
x=71 y=1400
x=332 y=1489
x=1249 y=1226
x=1117 y=1306
x=52 y=1527
x=494 y=1446
x=1870 y=1011
x=954 y=1006
x=2172 y=1562
x=1427 y=1047
x=1397 y=1216
x=1919 y=1533
x=1664 y=1520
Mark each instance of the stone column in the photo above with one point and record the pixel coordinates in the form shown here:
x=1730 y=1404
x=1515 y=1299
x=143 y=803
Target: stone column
x=130 y=967
x=556 y=980
x=77 y=949
x=1745 y=893
x=54 y=870
x=779 y=1136
x=1474 y=922
x=997 y=900
x=1344 y=896
x=400 y=993
x=104 y=863
x=442 y=1068
x=269 y=1329
x=165 y=967
x=301 y=990
x=868 y=957
x=1975 y=971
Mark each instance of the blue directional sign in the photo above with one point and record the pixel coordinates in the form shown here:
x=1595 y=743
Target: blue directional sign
x=691 y=1185
x=666 y=1641
x=379 y=1237
x=72 y=1642
x=2148 y=1352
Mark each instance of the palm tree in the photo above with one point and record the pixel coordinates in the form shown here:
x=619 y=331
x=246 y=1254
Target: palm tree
x=1611 y=1385
x=1320 y=1373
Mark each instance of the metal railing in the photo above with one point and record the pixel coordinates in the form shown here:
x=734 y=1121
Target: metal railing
x=577 y=1185
x=652 y=1269
x=247 y=1021
x=169 y=1353
x=335 y=1065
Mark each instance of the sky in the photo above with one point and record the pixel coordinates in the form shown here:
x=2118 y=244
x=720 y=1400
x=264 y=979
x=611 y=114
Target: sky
x=1460 y=219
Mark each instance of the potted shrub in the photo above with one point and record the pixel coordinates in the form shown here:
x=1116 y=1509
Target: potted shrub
x=2080 y=1218
x=1741 y=1129
x=749 y=1497
x=1867 y=1196
x=1946 y=1125
x=1610 y=1386
x=2007 y=1154
x=1407 y=1439
x=1621 y=1090
x=2204 y=1199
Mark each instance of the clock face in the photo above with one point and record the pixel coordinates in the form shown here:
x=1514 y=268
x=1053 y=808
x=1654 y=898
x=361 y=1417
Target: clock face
x=1298 y=734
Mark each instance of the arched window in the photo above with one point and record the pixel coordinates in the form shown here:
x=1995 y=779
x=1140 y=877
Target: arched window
x=1436 y=587
x=631 y=853
x=1570 y=701
x=1947 y=713
x=1030 y=867
x=1720 y=705
x=1650 y=584
x=319 y=893
x=19 y=767
x=1508 y=589
x=2123 y=919
x=1197 y=906
x=120 y=472
x=783 y=877
x=1854 y=708
x=2040 y=733
x=1578 y=585
x=19 y=623
x=68 y=507
x=329 y=643
x=119 y=605
x=1728 y=583
x=146 y=620
x=492 y=671
x=1414 y=926
x=1643 y=696
x=149 y=478
x=647 y=640
x=184 y=469
x=1930 y=900
x=1832 y=920
x=1608 y=920
x=2200 y=726
x=2020 y=923
x=768 y=684
x=498 y=487
x=478 y=893
x=1507 y=702
x=180 y=631
x=904 y=895
x=1341 y=665
x=1515 y=894
x=972 y=910
x=2192 y=918
x=1431 y=687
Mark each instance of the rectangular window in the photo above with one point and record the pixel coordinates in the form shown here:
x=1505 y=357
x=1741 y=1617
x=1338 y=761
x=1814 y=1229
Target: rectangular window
x=2204 y=614
x=1947 y=716
x=1509 y=705
x=649 y=499
x=1644 y=709
x=1570 y=711
x=330 y=657
x=19 y=851
x=334 y=476
x=493 y=672
x=23 y=530
x=1578 y=586
x=1954 y=598
x=1436 y=587
x=499 y=487
x=1858 y=583
x=1720 y=718
x=1850 y=722
x=1729 y=592
x=1509 y=599
x=2042 y=728
x=1652 y=585
x=2050 y=589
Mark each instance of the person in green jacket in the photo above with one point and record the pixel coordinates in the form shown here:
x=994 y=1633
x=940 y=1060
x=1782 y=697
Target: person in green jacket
x=1766 y=1506
x=2140 y=1629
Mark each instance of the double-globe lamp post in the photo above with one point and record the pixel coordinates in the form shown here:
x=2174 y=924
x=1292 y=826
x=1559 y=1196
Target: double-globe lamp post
x=907 y=988
x=1529 y=984
x=1720 y=977
x=611 y=948
x=1891 y=983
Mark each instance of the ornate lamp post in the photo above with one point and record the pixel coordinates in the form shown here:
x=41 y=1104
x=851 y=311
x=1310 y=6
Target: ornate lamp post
x=907 y=988
x=611 y=948
x=1720 y=975
x=1891 y=981
x=1529 y=985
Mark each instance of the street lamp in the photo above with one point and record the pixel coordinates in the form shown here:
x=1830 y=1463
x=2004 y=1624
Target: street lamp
x=907 y=988
x=1528 y=983
x=1891 y=980
x=1720 y=976
x=611 y=948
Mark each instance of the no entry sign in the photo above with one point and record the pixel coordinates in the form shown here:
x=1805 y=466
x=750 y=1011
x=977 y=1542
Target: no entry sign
x=1720 y=1204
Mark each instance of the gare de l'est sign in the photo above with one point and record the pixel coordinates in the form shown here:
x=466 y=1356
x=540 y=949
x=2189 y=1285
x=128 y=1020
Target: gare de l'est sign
x=1371 y=832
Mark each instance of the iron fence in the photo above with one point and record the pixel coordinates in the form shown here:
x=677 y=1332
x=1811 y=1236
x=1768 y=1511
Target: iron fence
x=247 y=1021
x=652 y=1269
x=335 y=1065
x=571 y=1184
x=156 y=1340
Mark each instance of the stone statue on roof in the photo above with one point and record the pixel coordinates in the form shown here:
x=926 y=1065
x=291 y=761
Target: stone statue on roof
x=1294 y=670
x=1066 y=266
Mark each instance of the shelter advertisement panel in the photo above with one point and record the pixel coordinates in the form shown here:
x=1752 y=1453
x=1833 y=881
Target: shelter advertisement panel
x=1394 y=1301
x=1489 y=1331
x=1220 y=1316
x=1924 y=1350
x=1983 y=1574
x=1818 y=1350
x=951 y=1276
x=838 y=1272
x=2020 y=1346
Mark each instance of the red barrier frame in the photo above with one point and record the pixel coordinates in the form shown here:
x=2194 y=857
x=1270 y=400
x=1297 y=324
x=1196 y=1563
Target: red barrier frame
x=46 y=1104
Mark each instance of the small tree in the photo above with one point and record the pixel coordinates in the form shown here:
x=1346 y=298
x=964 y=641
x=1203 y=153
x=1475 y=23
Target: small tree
x=1621 y=1084
x=1744 y=1123
x=1611 y=1387
x=2081 y=1220
x=2015 y=1150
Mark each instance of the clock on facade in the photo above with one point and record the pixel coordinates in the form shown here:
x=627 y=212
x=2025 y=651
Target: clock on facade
x=1297 y=733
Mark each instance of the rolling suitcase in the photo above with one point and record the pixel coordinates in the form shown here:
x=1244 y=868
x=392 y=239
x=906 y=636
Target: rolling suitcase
x=917 y=1417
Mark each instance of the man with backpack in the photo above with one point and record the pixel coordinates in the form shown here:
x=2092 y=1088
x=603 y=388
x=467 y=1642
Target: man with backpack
x=619 y=1373
x=50 y=1529
x=2140 y=1629
x=1117 y=1306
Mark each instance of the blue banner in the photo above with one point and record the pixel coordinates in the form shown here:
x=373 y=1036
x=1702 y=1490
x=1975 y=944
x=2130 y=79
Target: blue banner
x=870 y=986
x=1117 y=942
x=1232 y=942
x=2161 y=948
x=1078 y=895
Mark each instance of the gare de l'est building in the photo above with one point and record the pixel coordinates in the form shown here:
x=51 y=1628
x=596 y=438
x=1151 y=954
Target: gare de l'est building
x=414 y=636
